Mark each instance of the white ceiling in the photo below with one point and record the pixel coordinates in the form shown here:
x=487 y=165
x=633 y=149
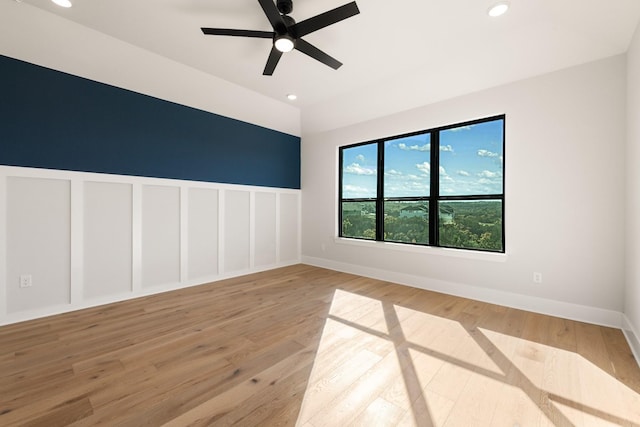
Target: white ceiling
x=397 y=54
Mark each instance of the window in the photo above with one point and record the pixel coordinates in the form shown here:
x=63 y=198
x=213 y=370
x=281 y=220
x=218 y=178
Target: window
x=440 y=187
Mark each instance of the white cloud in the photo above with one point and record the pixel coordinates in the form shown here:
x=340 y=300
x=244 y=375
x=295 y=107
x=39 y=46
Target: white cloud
x=448 y=148
x=489 y=174
x=487 y=153
x=444 y=176
x=448 y=190
x=463 y=173
x=408 y=178
x=356 y=169
x=360 y=158
x=354 y=188
x=393 y=172
x=353 y=191
x=408 y=188
x=458 y=129
x=425 y=147
x=424 y=167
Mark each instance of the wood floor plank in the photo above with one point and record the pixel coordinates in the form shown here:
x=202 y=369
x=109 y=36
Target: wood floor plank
x=225 y=402
x=279 y=407
x=326 y=386
x=310 y=347
x=64 y=414
x=379 y=413
x=356 y=397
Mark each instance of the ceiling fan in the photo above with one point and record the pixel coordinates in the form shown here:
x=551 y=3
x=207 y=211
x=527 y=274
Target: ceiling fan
x=286 y=34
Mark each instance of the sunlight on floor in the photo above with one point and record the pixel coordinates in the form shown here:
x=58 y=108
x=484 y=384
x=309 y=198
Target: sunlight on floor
x=380 y=364
x=582 y=392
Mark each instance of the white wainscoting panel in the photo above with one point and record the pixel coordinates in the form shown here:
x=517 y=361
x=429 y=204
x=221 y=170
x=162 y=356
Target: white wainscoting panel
x=289 y=227
x=38 y=242
x=203 y=233
x=265 y=229
x=237 y=224
x=160 y=235
x=89 y=239
x=107 y=239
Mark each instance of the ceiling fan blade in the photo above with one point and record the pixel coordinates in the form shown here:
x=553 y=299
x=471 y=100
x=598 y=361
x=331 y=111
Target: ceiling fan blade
x=273 y=15
x=315 y=53
x=274 y=57
x=338 y=14
x=240 y=33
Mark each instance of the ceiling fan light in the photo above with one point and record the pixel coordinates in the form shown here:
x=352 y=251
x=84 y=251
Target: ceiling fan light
x=498 y=9
x=62 y=3
x=284 y=43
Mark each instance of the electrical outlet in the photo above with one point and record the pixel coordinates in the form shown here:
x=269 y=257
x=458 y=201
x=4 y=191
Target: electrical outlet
x=537 y=277
x=26 y=281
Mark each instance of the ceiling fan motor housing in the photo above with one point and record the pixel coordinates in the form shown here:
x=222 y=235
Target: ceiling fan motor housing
x=285 y=6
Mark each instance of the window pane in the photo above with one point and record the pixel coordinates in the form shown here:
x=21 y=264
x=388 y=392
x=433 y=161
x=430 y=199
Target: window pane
x=359 y=171
x=406 y=222
x=471 y=225
x=471 y=159
x=359 y=220
x=407 y=162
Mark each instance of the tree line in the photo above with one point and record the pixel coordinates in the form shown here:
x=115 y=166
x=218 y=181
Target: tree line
x=472 y=225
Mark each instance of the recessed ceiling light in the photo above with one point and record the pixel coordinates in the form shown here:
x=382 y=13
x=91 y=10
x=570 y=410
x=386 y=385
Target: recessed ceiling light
x=292 y=97
x=62 y=3
x=498 y=9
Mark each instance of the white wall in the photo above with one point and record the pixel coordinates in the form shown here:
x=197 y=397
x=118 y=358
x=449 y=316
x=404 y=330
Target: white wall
x=632 y=291
x=88 y=239
x=565 y=139
x=39 y=37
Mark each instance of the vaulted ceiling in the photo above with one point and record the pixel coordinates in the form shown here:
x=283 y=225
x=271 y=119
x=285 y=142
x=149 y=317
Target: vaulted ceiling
x=397 y=55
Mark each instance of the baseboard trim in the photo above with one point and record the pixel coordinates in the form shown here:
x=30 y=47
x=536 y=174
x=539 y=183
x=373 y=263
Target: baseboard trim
x=24 y=316
x=632 y=336
x=594 y=315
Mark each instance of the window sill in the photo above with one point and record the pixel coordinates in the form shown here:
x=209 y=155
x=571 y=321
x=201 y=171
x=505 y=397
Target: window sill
x=427 y=250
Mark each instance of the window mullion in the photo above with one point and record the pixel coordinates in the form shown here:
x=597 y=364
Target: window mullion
x=434 y=186
x=340 y=180
x=380 y=194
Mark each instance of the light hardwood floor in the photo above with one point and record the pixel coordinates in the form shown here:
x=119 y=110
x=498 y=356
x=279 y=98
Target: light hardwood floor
x=312 y=347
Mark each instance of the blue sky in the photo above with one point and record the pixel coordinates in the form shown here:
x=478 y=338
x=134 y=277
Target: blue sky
x=359 y=171
x=471 y=163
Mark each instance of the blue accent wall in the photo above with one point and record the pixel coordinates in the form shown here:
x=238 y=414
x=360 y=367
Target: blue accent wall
x=54 y=120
